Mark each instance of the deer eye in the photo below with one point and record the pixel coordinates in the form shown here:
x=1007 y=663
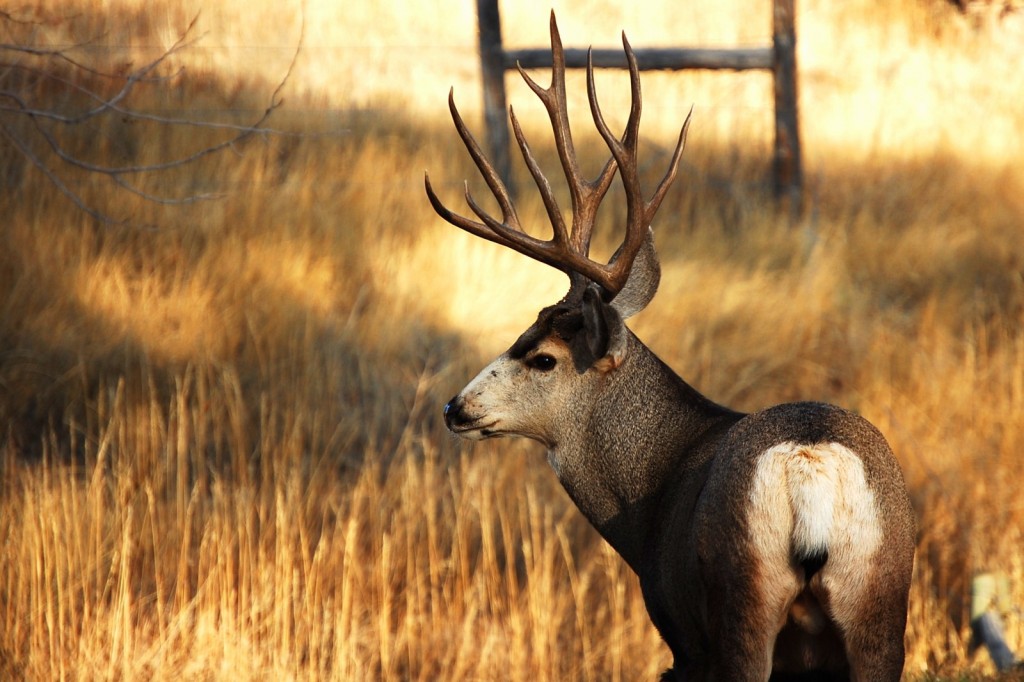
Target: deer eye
x=542 y=362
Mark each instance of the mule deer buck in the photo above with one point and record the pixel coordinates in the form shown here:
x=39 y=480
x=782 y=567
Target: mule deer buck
x=771 y=545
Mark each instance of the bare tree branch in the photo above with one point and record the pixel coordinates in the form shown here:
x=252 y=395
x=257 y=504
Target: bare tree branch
x=27 y=152
x=30 y=127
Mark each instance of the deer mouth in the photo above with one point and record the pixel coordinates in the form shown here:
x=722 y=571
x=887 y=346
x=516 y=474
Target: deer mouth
x=473 y=431
x=488 y=431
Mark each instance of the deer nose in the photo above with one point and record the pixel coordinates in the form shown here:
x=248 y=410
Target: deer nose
x=453 y=413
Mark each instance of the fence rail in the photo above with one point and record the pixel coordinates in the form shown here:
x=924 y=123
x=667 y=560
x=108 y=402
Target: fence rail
x=649 y=59
x=779 y=58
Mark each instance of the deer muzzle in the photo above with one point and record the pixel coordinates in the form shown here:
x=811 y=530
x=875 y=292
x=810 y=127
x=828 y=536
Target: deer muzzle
x=460 y=422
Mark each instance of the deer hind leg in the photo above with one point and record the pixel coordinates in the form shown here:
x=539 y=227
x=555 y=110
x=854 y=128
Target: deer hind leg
x=865 y=587
x=871 y=616
x=744 y=647
x=751 y=612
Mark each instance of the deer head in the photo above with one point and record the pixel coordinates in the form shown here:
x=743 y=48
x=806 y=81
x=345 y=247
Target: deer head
x=583 y=337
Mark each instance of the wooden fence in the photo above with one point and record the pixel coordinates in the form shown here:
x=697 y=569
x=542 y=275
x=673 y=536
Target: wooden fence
x=779 y=58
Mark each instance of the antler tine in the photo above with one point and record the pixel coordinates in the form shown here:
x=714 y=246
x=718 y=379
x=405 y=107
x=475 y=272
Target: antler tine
x=508 y=231
x=490 y=175
x=639 y=212
x=670 y=174
x=546 y=193
x=624 y=153
x=586 y=195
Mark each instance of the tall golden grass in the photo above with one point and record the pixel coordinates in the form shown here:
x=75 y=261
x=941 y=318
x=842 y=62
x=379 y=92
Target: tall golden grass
x=221 y=452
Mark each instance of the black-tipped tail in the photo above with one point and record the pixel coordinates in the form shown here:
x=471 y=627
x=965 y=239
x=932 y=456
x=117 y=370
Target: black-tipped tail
x=812 y=561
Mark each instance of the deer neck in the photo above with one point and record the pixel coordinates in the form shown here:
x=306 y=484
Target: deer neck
x=648 y=431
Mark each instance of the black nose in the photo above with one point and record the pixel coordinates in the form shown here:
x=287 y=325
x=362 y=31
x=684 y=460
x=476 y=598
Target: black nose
x=452 y=412
x=455 y=417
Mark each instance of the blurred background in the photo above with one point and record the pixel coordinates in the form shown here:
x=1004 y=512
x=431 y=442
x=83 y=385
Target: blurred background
x=229 y=319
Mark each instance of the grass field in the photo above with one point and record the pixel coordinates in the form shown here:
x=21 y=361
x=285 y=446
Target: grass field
x=221 y=452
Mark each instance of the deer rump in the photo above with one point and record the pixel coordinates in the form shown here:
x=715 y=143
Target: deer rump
x=792 y=558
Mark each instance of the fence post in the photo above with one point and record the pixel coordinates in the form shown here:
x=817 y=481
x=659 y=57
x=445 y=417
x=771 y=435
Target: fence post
x=492 y=62
x=786 y=171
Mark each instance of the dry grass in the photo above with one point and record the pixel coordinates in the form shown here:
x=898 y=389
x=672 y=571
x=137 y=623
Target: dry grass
x=221 y=452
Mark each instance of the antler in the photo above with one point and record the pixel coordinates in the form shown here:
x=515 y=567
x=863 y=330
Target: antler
x=568 y=250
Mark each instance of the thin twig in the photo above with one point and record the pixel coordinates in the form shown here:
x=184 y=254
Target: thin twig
x=44 y=119
x=55 y=179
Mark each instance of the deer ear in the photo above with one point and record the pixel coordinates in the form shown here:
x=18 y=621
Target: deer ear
x=643 y=280
x=601 y=340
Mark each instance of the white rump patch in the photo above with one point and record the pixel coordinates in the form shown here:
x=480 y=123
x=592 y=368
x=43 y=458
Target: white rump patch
x=808 y=499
